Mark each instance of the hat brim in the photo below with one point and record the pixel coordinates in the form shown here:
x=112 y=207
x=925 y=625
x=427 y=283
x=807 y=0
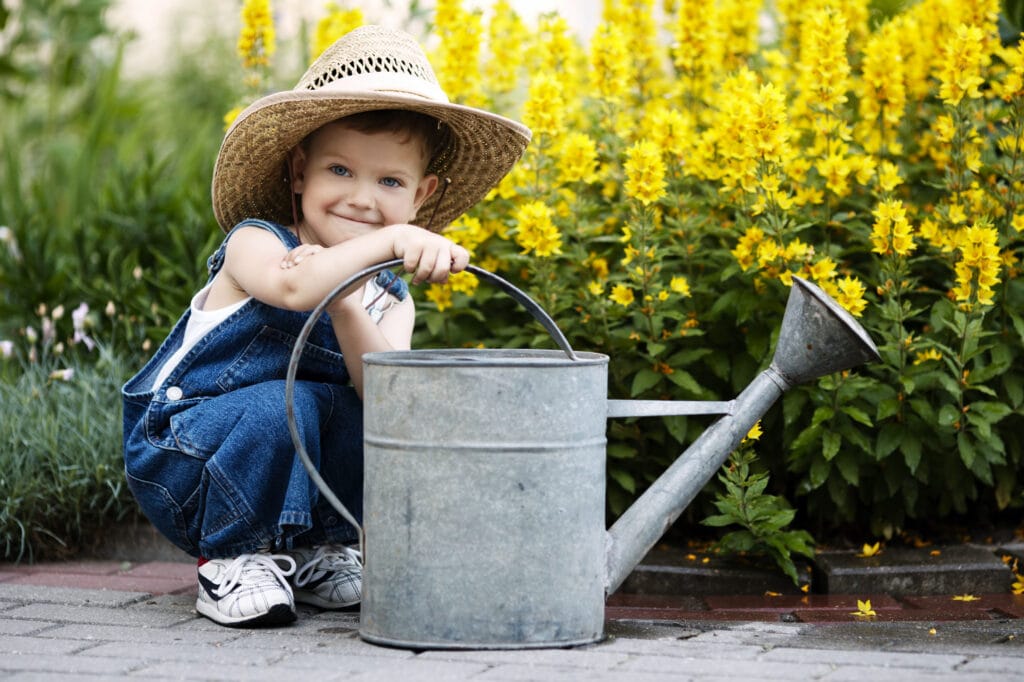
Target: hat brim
x=249 y=176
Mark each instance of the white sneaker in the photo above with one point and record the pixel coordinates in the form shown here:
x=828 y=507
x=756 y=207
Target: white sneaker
x=246 y=591
x=329 y=576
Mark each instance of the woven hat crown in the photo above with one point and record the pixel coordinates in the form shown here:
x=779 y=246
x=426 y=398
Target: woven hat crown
x=372 y=58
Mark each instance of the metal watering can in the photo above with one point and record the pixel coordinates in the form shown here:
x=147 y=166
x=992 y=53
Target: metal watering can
x=484 y=489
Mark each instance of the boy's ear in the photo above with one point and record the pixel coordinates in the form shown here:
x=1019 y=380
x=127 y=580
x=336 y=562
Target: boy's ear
x=297 y=169
x=426 y=189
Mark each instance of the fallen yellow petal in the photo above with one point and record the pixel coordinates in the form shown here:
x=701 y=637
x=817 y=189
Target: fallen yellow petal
x=769 y=593
x=864 y=609
x=966 y=597
x=870 y=550
x=933 y=631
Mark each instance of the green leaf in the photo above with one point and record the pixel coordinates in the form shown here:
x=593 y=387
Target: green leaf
x=848 y=467
x=857 y=415
x=830 y=442
x=911 y=449
x=948 y=415
x=644 y=380
x=889 y=438
x=624 y=479
x=819 y=471
x=965 y=447
x=685 y=380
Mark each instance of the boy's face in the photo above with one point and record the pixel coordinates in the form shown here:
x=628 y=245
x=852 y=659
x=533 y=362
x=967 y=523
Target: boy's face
x=353 y=183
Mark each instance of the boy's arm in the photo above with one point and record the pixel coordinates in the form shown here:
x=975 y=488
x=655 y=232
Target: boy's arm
x=254 y=262
x=254 y=257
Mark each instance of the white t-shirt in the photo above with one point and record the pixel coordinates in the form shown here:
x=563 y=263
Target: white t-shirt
x=200 y=321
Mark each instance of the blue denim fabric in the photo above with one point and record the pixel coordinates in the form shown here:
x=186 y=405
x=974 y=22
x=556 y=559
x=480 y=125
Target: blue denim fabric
x=208 y=454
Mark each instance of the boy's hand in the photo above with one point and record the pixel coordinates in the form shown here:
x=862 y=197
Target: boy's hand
x=300 y=253
x=429 y=256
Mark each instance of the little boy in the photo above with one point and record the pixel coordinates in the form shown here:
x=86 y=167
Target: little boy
x=311 y=185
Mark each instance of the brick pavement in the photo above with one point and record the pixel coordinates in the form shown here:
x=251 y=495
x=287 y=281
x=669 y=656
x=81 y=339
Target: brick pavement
x=96 y=620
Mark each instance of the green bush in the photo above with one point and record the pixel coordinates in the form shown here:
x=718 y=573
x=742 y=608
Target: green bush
x=61 y=472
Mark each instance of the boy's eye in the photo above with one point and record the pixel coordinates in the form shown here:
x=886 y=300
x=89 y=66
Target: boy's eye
x=391 y=182
x=339 y=170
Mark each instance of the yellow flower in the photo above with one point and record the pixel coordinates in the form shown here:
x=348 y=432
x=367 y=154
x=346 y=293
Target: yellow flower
x=610 y=63
x=1018 y=222
x=977 y=271
x=599 y=266
x=230 y=117
x=889 y=176
x=864 y=609
x=256 y=42
x=577 y=158
x=543 y=109
x=851 y=295
x=440 y=295
x=966 y=597
x=536 y=233
x=891 y=232
x=961 y=65
x=870 y=550
x=680 y=285
x=336 y=23
x=925 y=356
x=645 y=172
x=622 y=295
x=595 y=287
x=464 y=282
x=755 y=432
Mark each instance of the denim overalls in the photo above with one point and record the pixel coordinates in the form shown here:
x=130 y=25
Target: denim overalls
x=208 y=454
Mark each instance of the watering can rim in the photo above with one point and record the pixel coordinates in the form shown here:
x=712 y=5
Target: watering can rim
x=483 y=357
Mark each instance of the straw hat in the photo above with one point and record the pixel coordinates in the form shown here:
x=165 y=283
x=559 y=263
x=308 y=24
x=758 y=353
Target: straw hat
x=368 y=69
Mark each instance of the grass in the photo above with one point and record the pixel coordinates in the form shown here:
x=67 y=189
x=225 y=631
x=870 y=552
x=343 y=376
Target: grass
x=61 y=473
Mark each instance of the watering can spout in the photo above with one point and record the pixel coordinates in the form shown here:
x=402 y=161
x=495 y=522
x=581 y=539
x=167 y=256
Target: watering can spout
x=817 y=337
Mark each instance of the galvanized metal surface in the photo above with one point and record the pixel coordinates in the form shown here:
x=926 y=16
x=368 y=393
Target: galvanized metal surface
x=485 y=478
x=484 y=499
x=817 y=337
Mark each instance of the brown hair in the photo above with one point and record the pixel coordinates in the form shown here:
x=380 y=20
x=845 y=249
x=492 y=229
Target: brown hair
x=434 y=136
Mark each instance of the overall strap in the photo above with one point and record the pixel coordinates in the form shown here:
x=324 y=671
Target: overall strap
x=216 y=260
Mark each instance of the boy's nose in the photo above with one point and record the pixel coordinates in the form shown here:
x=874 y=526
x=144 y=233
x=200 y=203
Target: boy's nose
x=361 y=195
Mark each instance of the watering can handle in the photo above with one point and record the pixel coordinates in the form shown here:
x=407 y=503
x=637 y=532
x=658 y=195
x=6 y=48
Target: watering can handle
x=531 y=306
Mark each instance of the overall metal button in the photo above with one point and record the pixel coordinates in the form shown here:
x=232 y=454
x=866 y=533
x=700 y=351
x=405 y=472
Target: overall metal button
x=174 y=393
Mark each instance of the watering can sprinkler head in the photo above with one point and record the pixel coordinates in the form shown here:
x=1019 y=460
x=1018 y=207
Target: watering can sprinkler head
x=818 y=337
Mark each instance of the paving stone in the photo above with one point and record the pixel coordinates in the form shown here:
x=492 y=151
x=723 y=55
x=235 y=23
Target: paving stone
x=133 y=635
x=71 y=664
x=672 y=571
x=912 y=615
x=681 y=616
x=66 y=595
x=948 y=608
x=699 y=667
x=117 y=581
x=688 y=649
x=991 y=664
x=22 y=627
x=870 y=674
x=911 y=571
x=823 y=602
x=62 y=613
x=885 y=659
x=419 y=669
x=20 y=644
x=183 y=670
x=595 y=659
x=198 y=654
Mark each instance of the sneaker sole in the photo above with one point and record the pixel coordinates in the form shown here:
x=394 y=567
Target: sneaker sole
x=279 y=614
x=313 y=599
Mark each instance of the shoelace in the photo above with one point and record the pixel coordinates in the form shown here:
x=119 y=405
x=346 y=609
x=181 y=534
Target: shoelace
x=334 y=557
x=255 y=566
